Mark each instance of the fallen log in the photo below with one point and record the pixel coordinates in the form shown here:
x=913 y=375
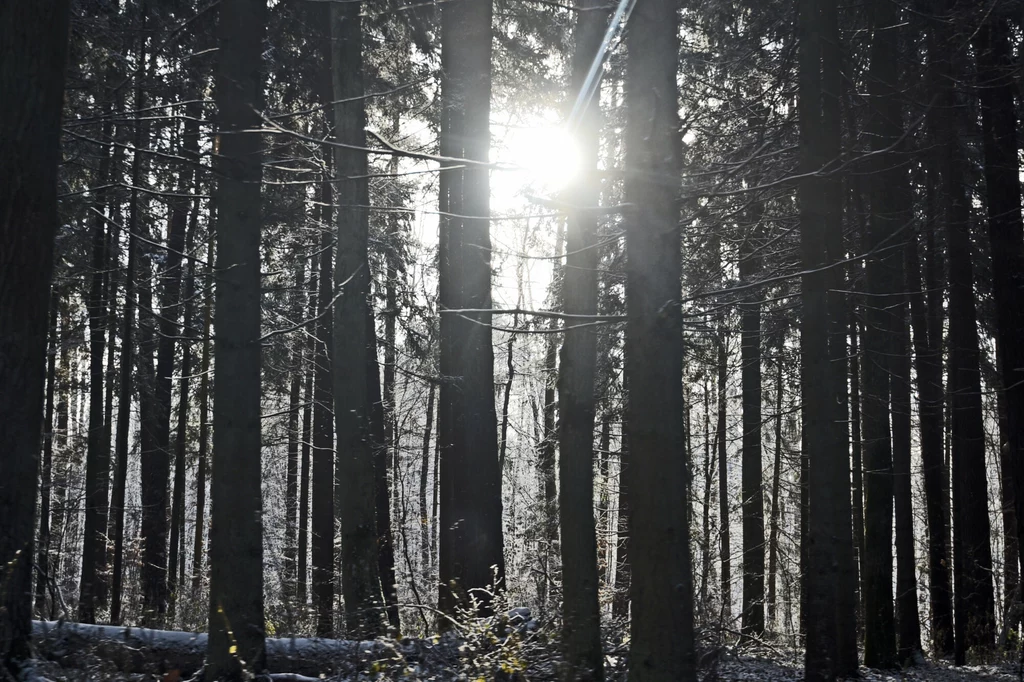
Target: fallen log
x=163 y=651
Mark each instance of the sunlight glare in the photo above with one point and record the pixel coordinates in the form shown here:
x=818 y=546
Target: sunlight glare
x=547 y=158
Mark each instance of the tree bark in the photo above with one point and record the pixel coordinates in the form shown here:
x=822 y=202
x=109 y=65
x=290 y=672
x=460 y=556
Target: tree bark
x=198 y=557
x=926 y=321
x=773 y=524
x=471 y=542
x=156 y=460
x=548 y=446
x=996 y=89
x=722 y=454
x=824 y=460
x=383 y=417
x=581 y=612
x=752 y=474
x=34 y=39
x=661 y=628
x=425 y=526
x=236 y=619
x=44 y=578
x=907 y=618
x=176 y=550
x=621 y=594
x=709 y=476
x=974 y=626
x=890 y=211
x=322 y=486
x=355 y=480
x=291 y=495
x=857 y=464
x=97 y=459
x=309 y=369
x=128 y=335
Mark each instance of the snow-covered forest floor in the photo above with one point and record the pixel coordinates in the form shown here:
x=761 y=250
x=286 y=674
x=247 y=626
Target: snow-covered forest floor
x=508 y=649
x=743 y=668
x=722 y=666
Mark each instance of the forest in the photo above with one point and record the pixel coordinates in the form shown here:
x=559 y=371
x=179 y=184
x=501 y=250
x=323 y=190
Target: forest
x=511 y=339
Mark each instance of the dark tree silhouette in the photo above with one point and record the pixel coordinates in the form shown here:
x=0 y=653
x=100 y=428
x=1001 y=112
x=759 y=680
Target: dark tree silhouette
x=33 y=51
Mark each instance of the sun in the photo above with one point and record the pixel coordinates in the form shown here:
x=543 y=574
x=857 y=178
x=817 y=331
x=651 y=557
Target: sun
x=550 y=155
x=539 y=159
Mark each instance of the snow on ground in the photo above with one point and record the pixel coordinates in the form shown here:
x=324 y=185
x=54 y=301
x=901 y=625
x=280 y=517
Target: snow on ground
x=531 y=659
x=747 y=668
x=730 y=669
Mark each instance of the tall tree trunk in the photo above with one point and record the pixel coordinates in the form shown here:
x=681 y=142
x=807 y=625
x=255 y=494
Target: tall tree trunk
x=386 y=443
x=34 y=39
x=291 y=495
x=322 y=487
x=44 y=577
x=435 y=490
x=198 y=556
x=890 y=211
x=124 y=405
x=721 y=440
x=857 y=464
x=773 y=523
x=752 y=478
x=156 y=460
x=113 y=331
x=61 y=465
x=621 y=595
x=190 y=151
x=604 y=526
x=510 y=379
x=309 y=369
x=97 y=459
x=709 y=475
x=548 y=446
x=661 y=629
x=974 y=627
x=425 y=528
x=581 y=612
x=471 y=542
x=996 y=87
x=235 y=647
x=825 y=460
x=128 y=335
x=382 y=493
x=926 y=320
x=907 y=618
x=1011 y=554
x=847 y=662
x=360 y=579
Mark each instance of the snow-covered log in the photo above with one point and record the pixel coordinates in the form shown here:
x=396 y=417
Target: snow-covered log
x=141 y=649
